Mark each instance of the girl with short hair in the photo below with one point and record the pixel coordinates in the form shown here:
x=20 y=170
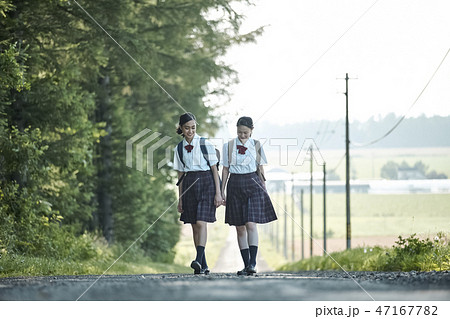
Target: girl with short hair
x=247 y=201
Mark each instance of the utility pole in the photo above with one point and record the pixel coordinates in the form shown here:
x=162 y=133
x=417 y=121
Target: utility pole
x=301 y=223
x=285 y=220
x=272 y=237
x=285 y=231
x=311 y=203
x=293 y=219
x=277 y=236
x=347 y=165
x=324 y=210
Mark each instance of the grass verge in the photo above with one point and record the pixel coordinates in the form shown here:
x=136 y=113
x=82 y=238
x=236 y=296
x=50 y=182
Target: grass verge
x=100 y=258
x=18 y=266
x=408 y=254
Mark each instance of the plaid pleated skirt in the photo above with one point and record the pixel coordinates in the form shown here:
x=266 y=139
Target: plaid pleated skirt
x=198 y=200
x=247 y=201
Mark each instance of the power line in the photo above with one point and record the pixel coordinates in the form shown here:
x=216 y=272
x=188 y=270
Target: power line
x=339 y=163
x=406 y=113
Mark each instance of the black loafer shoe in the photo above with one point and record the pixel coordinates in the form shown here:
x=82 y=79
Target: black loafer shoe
x=242 y=272
x=196 y=266
x=251 y=269
x=203 y=271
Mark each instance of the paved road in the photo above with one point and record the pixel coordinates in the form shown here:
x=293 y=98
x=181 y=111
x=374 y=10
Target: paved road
x=265 y=286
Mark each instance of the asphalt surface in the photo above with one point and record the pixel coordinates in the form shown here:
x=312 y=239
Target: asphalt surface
x=312 y=286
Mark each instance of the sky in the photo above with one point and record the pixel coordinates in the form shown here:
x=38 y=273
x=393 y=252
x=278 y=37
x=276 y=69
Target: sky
x=390 y=53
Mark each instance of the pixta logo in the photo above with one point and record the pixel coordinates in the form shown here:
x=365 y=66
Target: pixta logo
x=308 y=149
x=144 y=143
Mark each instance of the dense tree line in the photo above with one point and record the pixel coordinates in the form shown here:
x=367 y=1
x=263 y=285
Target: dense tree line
x=70 y=98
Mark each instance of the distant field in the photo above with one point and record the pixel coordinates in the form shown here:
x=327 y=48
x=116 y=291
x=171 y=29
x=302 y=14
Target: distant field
x=375 y=215
x=367 y=163
x=375 y=220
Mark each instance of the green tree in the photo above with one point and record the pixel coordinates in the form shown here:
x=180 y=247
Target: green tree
x=434 y=175
x=390 y=170
x=63 y=139
x=421 y=167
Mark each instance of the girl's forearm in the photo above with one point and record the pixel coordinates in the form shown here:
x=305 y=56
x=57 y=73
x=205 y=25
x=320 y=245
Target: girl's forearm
x=216 y=178
x=180 y=186
x=225 y=173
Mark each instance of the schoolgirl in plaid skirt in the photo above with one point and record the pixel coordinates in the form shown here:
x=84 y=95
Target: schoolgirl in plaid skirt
x=198 y=186
x=247 y=201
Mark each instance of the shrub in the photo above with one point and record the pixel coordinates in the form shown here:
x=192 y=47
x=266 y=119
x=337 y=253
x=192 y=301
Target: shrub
x=413 y=253
x=409 y=254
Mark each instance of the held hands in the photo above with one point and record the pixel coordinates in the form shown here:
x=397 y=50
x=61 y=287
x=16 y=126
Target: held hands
x=224 y=199
x=218 y=200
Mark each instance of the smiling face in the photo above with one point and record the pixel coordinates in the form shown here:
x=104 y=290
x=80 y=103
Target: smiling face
x=244 y=133
x=188 y=130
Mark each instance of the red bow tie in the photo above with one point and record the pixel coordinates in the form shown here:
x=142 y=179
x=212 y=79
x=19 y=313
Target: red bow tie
x=189 y=148
x=241 y=149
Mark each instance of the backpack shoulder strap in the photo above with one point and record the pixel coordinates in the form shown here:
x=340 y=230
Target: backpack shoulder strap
x=180 y=152
x=203 y=149
x=258 y=159
x=230 y=151
x=258 y=151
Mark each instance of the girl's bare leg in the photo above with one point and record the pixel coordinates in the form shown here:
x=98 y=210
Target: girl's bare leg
x=242 y=237
x=252 y=234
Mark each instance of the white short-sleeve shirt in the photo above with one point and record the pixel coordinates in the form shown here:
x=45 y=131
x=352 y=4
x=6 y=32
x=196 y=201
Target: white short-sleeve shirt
x=194 y=160
x=242 y=163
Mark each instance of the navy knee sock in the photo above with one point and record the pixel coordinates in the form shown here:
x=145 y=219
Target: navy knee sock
x=200 y=253
x=245 y=256
x=253 y=252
